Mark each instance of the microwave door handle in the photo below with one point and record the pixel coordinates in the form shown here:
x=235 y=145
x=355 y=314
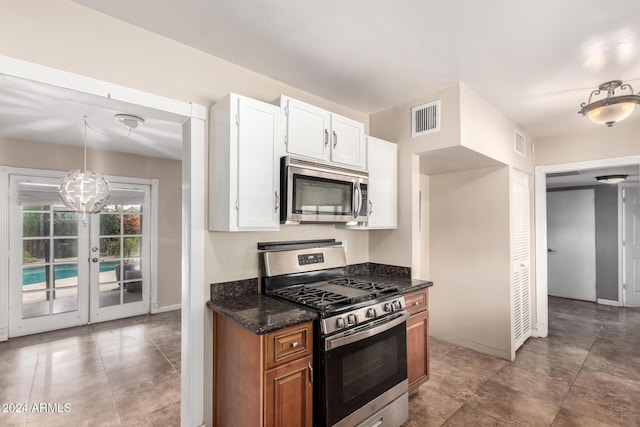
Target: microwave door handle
x=359 y=201
x=355 y=200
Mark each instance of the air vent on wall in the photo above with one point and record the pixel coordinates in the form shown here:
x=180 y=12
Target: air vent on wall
x=425 y=118
x=519 y=143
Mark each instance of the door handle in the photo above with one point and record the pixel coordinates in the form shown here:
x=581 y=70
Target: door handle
x=335 y=139
x=94 y=259
x=277 y=201
x=326 y=137
x=551 y=251
x=370 y=207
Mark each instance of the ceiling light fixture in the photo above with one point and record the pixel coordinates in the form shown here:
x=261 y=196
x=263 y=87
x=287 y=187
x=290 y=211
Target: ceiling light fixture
x=129 y=121
x=611 y=179
x=611 y=109
x=84 y=191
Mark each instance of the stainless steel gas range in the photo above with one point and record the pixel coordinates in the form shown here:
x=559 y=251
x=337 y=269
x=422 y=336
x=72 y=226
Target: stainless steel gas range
x=360 y=362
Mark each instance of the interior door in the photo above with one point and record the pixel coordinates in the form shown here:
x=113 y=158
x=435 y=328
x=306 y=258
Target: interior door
x=631 y=246
x=120 y=255
x=48 y=269
x=571 y=244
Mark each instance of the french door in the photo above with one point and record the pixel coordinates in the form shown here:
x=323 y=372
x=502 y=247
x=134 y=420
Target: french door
x=67 y=270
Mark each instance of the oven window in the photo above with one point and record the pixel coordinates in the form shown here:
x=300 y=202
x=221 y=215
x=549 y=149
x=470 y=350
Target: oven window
x=319 y=196
x=359 y=372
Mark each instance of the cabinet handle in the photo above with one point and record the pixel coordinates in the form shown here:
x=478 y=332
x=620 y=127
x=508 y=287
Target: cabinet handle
x=416 y=303
x=277 y=201
x=326 y=137
x=335 y=139
x=370 y=207
x=310 y=373
x=295 y=344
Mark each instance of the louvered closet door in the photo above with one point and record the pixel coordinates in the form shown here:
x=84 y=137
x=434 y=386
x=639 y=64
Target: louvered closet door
x=521 y=258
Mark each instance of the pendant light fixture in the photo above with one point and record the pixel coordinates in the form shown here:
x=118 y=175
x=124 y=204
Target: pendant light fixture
x=84 y=191
x=610 y=109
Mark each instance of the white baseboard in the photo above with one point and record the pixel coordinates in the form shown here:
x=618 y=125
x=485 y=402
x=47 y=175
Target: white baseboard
x=166 y=308
x=608 y=302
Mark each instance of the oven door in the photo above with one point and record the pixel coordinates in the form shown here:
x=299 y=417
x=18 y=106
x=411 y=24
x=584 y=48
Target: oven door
x=363 y=371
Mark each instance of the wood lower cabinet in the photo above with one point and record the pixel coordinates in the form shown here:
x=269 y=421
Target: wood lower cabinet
x=289 y=394
x=417 y=304
x=262 y=380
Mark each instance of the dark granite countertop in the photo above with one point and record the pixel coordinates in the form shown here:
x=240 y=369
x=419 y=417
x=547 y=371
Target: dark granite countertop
x=406 y=284
x=261 y=314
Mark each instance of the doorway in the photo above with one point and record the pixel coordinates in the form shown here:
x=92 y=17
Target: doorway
x=67 y=270
x=568 y=172
x=571 y=253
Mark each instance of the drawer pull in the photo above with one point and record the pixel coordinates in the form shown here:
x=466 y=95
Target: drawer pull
x=295 y=344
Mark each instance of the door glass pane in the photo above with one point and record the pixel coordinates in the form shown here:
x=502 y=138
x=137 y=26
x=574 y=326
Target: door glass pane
x=109 y=224
x=35 y=224
x=34 y=278
x=65 y=249
x=66 y=275
x=65 y=300
x=65 y=223
x=35 y=304
x=133 y=281
x=131 y=247
x=132 y=223
x=35 y=251
x=109 y=247
x=109 y=294
x=108 y=271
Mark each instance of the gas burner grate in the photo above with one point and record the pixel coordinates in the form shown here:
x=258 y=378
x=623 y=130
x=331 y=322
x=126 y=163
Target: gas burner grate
x=312 y=297
x=367 y=285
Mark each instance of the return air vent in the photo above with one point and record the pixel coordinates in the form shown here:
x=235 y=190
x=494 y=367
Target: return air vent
x=425 y=119
x=519 y=143
x=563 y=174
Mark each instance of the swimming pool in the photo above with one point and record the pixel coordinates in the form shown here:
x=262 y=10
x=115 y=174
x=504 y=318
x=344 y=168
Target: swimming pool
x=63 y=271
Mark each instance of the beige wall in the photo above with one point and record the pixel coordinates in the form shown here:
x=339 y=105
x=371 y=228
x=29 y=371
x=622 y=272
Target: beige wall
x=35 y=155
x=470 y=259
x=594 y=143
x=398 y=247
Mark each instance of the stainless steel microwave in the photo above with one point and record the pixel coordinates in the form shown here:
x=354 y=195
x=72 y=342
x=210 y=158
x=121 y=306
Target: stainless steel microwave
x=313 y=192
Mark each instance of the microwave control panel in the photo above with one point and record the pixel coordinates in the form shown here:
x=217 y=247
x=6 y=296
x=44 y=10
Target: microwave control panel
x=307 y=259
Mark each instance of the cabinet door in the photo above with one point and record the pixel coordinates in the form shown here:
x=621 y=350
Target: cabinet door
x=418 y=350
x=307 y=129
x=289 y=395
x=258 y=178
x=347 y=141
x=383 y=177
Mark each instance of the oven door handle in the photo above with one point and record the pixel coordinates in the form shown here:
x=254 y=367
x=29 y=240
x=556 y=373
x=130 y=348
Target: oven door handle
x=342 y=339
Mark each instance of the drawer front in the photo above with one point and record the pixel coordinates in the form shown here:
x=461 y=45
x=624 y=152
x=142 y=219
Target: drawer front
x=417 y=301
x=289 y=344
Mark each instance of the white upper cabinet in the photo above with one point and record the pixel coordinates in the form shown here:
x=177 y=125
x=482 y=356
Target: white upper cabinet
x=382 y=163
x=243 y=165
x=319 y=134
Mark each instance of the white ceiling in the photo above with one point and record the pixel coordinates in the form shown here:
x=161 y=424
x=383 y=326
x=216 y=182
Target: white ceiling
x=587 y=177
x=37 y=112
x=535 y=61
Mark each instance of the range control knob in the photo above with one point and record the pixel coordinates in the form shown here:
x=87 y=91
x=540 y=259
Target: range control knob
x=340 y=322
x=371 y=313
x=388 y=307
x=352 y=319
x=396 y=305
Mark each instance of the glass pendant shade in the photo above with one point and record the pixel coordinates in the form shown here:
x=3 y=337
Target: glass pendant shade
x=84 y=191
x=610 y=114
x=611 y=109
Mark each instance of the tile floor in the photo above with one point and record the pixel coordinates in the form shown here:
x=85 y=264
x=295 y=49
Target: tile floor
x=124 y=372
x=585 y=373
x=127 y=372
